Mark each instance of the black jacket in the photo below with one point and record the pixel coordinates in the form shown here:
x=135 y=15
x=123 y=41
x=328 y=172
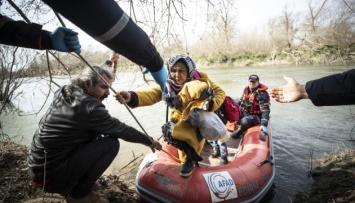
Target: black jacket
x=337 y=89
x=106 y=22
x=19 y=33
x=67 y=125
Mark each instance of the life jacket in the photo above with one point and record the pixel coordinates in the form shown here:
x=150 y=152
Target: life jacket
x=250 y=100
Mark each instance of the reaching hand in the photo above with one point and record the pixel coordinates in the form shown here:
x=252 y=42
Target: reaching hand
x=123 y=97
x=291 y=92
x=66 y=40
x=155 y=146
x=114 y=56
x=264 y=129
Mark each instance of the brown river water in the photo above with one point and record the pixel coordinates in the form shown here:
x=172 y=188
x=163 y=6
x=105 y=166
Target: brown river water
x=300 y=130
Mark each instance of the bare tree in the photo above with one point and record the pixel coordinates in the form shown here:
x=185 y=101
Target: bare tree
x=221 y=30
x=11 y=72
x=283 y=29
x=18 y=63
x=341 y=23
x=314 y=21
x=315 y=13
x=163 y=21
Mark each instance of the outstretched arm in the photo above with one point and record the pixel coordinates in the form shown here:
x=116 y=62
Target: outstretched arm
x=19 y=33
x=291 y=92
x=106 y=22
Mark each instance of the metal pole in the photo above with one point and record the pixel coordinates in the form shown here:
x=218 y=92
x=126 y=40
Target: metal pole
x=113 y=90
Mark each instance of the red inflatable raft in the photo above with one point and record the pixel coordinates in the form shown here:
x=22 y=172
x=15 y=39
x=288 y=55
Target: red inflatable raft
x=246 y=178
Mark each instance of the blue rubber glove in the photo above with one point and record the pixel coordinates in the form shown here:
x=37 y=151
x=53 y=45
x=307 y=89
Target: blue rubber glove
x=263 y=128
x=145 y=70
x=66 y=40
x=160 y=77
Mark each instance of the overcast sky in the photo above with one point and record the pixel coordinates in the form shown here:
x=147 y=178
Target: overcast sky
x=255 y=13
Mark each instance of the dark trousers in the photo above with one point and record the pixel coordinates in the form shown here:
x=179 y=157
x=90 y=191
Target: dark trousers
x=83 y=168
x=249 y=121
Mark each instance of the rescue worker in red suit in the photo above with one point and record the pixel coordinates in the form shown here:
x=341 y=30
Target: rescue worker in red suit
x=255 y=107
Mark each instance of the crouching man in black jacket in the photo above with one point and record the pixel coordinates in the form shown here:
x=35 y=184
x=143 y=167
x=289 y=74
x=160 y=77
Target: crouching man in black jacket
x=77 y=139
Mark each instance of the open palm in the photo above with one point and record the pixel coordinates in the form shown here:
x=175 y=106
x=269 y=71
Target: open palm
x=290 y=92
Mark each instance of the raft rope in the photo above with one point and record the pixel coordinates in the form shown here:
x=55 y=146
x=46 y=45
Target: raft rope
x=176 y=159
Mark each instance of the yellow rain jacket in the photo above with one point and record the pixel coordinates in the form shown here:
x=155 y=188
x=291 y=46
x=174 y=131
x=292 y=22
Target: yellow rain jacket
x=182 y=130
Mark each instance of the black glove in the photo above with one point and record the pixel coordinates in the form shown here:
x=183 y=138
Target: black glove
x=177 y=102
x=173 y=101
x=167 y=128
x=207 y=92
x=208 y=104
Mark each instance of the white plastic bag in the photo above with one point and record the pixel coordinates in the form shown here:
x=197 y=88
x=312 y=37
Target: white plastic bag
x=211 y=126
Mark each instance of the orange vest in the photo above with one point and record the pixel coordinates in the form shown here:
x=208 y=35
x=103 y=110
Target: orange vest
x=251 y=100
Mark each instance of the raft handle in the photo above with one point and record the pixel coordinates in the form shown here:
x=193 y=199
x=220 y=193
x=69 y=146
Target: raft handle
x=265 y=161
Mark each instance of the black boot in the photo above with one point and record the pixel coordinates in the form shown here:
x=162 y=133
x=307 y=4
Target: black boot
x=191 y=159
x=224 y=160
x=236 y=134
x=216 y=153
x=187 y=167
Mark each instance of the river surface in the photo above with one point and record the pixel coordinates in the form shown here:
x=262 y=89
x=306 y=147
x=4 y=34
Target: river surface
x=300 y=130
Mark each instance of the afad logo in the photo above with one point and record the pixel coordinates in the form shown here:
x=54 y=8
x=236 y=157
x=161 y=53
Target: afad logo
x=221 y=186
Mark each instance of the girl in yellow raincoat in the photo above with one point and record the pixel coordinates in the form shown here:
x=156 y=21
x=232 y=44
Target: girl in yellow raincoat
x=181 y=96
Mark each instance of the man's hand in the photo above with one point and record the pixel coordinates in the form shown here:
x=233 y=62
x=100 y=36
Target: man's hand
x=123 y=97
x=291 y=92
x=114 y=56
x=155 y=146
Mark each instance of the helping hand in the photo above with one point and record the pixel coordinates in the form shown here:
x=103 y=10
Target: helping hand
x=155 y=146
x=114 y=56
x=66 y=40
x=263 y=128
x=290 y=92
x=123 y=97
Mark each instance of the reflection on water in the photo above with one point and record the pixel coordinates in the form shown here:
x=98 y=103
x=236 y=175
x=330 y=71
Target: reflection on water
x=300 y=130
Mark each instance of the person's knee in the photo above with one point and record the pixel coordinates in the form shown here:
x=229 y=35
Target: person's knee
x=111 y=144
x=244 y=123
x=115 y=145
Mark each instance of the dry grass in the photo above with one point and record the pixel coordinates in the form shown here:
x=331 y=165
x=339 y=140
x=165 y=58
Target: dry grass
x=334 y=179
x=15 y=184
